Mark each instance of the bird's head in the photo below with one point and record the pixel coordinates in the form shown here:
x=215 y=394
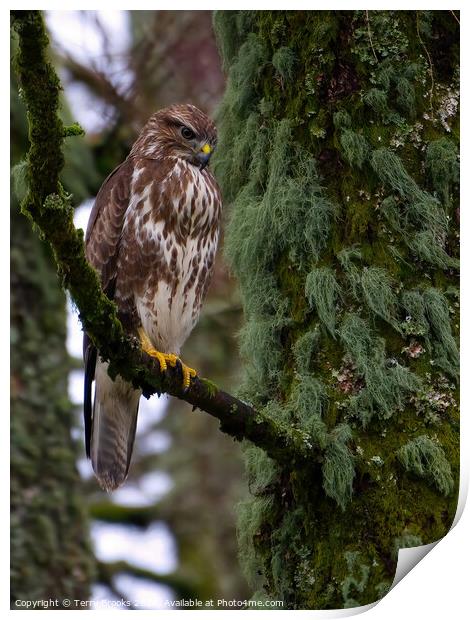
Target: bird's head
x=180 y=130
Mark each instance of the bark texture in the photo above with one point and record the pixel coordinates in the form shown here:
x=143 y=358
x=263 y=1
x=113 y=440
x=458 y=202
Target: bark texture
x=338 y=152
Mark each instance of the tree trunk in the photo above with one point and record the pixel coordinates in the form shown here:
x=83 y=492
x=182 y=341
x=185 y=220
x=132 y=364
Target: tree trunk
x=51 y=556
x=338 y=155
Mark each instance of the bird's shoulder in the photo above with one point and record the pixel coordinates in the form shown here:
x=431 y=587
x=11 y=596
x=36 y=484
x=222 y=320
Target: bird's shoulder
x=113 y=196
x=128 y=179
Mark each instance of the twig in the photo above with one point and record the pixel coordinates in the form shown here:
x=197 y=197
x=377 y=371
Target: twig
x=456 y=18
x=49 y=208
x=370 y=37
x=431 y=73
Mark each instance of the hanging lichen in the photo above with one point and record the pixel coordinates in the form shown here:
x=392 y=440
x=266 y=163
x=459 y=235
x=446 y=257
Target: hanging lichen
x=423 y=457
x=377 y=288
x=322 y=290
x=284 y=61
x=442 y=163
x=341 y=233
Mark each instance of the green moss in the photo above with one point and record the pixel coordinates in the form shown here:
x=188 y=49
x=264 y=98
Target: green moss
x=443 y=344
x=251 y=516
x=341 y=119
x=422 y=222
x=391 y=210
x=322 y=292
x=406 y=96
x=292 y=215
x=212 y=388
x=19 y=177
x=304 y=348
x=261 y=470
x=406 y=541
x=241 y=93
x=377 y=288
x=391 y=171
x=284 y=62
x=355 y=147
x=442 y=165
x=346 y=259
x=387 y=383
x=415 y=313
x=231 y=28
x=308 y=399
x=356 y=579
x=385 y=74
x=338 y=466
x=386 y=393
x=424 y=458
x=428 y=249
x=287 y=536
x=426 y=213
x=243 y=151
x=75 y=129
x=227 y=36
x=379 y=35
x=359 y=340
x=260 y=344
x=277 y=412
x=377 y=100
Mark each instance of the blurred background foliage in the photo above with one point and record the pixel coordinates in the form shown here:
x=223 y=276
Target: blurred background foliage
x=170 y=56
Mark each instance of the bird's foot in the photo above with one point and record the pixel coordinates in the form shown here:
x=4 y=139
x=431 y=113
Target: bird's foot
x=167 y=359
x=188 y=373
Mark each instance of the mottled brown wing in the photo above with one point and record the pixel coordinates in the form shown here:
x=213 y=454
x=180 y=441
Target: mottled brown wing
x=102 y=249
x=106 y=221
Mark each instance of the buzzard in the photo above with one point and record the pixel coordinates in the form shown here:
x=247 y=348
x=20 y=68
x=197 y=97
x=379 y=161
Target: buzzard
x=152 y=236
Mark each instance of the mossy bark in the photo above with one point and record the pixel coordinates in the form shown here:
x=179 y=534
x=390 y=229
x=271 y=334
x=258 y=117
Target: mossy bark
x=338 y=154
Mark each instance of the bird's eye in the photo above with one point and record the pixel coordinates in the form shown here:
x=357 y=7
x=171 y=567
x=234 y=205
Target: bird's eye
x=187 y=133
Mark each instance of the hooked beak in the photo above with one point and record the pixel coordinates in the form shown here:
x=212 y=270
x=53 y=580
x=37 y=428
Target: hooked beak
x=204 y=155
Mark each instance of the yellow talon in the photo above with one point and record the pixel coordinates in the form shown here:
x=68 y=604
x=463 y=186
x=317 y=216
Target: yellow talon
x=186 y=370
x=148 y=348
x=172 y=359
x=160 y=357
x=166 y=358
x=187 y=374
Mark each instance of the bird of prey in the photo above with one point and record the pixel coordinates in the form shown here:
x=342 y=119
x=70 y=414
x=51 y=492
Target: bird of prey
x=152 y=237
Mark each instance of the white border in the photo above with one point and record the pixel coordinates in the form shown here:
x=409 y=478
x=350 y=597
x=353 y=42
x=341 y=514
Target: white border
x=438 y=585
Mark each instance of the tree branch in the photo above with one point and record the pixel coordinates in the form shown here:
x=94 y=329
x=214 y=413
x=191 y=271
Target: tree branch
x=184 y=587
x=49 y=208
x=110 y=512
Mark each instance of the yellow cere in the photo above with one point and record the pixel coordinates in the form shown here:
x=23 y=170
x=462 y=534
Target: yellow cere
x=206 y=149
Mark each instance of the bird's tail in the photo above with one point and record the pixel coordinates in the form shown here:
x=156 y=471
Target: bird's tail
x=113 y=427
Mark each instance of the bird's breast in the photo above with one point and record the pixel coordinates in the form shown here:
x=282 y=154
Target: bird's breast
x=176 y=231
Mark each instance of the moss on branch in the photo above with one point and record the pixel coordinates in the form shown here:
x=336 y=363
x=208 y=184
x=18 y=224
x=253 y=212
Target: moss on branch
x=50 y=210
